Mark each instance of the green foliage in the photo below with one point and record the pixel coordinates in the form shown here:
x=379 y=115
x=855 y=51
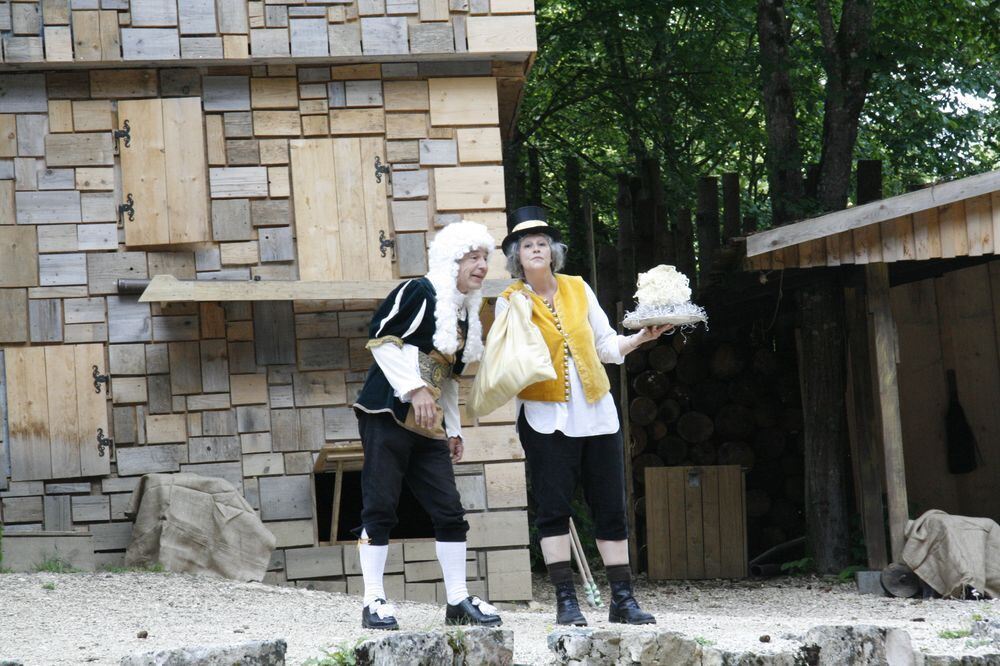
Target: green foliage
x=55 y=565
x=344 y=654
x=456 y=640
x=954 y=633
x=48 y=586
x=796 y=567
x=846 y=575
x=704 y=642
x=618 y=80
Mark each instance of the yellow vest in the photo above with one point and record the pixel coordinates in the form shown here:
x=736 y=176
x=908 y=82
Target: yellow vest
x=565 y=329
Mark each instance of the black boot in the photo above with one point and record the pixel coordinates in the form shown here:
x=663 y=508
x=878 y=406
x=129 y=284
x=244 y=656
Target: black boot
x=567 y=607
x=624 y=609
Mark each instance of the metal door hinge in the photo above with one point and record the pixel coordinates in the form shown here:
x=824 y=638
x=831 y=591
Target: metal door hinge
x=103 y=442
x=98 y=380
x=127 y=207
x=386 y=243
x=379 y=170
x=125 y=133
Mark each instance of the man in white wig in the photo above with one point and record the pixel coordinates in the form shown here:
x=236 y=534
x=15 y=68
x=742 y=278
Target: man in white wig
x=422 y=336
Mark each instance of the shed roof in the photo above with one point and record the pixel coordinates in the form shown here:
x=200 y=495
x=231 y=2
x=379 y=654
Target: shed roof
x=953 y=219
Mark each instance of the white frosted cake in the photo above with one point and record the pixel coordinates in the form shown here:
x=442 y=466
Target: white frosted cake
x=664 y=297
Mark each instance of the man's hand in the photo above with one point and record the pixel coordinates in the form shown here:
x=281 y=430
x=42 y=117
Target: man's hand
x=457 y=448
x=424 y=407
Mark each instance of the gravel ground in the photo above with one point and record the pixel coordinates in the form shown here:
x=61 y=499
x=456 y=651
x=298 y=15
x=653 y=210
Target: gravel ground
x=96 y=618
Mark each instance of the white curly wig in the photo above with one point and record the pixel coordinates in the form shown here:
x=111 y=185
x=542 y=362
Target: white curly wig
x=448 y=247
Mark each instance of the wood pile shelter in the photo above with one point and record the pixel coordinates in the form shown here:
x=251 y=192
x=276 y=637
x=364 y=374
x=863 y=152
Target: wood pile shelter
x=272 y=167
x=923 y=302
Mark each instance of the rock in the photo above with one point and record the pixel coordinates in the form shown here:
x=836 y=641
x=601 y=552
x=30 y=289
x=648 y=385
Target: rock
x=987 y=628
x=590 y=647
x=860 y=645
x=252 y=653
x=10 y=662
x=967 y=660
x=473 y=645
x=480 y=645
x=142 y=634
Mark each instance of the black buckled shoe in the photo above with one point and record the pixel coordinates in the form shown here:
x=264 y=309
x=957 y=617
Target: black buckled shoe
x=379 y=615
x=472 y=610
x=624 y=609
x=567 y=607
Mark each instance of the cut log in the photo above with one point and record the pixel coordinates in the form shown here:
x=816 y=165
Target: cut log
x=636 y=361
x=766 y=414
x=641 y=462
x=681 y=394
x=727 y=362
x=662 y=358
x=657 y=430
x=745 y=390
x=651 y=384
x=670 y=410
x=695 y=427
x=703 y=453
x=642 y=411
x=709 y=396
x=734 y=422
x=691 y=369
x=672 y=449
x=900 y=581
x=736 y=453
x=639 y=439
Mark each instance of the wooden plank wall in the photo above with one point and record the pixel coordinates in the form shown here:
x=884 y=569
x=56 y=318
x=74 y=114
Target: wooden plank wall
x=248 y=392
x=950 y=323
x=965 y=228
x=193 y=30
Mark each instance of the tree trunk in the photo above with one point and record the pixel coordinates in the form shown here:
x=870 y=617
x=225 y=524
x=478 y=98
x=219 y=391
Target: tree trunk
x=534 y=177
x=707 y=227
x=821 y=367
x=576 y=260
x=846 y=61
x=784 y=157
x=626 y=242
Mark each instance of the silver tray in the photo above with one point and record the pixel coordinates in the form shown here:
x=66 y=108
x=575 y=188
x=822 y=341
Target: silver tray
x=676 y=320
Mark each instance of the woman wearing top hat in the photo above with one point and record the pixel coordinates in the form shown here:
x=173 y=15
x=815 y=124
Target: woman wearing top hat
x=569 y=426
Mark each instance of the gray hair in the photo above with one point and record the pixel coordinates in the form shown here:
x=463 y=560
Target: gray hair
x=514 y=266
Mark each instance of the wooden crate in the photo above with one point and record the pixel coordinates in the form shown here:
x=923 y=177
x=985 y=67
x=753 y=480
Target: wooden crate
x=696 y=522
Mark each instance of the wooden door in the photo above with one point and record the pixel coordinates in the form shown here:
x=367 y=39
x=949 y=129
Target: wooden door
x=341 y=214
x=54 y=412
x=165 y=170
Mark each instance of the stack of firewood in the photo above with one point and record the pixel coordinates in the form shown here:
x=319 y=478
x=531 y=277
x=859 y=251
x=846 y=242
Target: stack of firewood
x=717 y=399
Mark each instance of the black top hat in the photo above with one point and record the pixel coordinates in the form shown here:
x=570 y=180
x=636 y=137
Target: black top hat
x=528 y=220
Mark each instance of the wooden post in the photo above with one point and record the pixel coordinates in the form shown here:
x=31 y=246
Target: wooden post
x=577 y=241
x=886 y=354
x=588 y=228
x=685 y=246
x=707 y=226
x=534 y=177
x=869 y=181
x=623 y=401
x=626 y=241
x=863 y=429
x=730 y=205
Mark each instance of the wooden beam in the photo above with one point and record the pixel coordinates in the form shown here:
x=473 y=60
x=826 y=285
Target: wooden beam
x=863 y=428
x=886 y=352
x=871 y=213
x=167 y=289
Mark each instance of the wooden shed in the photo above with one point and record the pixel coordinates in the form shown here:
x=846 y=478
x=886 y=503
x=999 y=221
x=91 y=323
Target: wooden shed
x=923 y=304
x=270 y=169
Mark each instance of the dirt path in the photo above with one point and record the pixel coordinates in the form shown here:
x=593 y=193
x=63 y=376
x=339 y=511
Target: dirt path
x=95 y=618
